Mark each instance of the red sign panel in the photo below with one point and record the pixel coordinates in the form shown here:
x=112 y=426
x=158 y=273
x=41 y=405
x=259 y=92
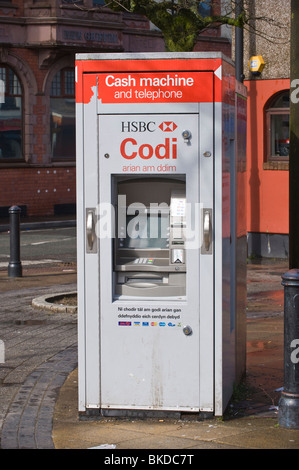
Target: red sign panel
x=155 y=87
x=149 y=81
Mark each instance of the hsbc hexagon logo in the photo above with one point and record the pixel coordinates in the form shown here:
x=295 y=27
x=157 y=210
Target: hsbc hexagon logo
x=168 y=126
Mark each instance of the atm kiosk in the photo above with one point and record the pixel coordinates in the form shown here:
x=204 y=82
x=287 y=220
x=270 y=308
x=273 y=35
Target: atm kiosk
x=161 y=239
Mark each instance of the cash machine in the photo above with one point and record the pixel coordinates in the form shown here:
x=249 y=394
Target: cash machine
x=161 y=315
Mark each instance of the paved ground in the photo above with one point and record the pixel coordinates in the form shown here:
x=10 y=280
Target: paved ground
x=40 y=352
x=38 y=381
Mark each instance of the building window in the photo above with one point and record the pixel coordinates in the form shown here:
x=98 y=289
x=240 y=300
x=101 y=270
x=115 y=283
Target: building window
x=73 y=2
x=11 y=114
x=205 y=8
x=62 y=104
x=277 y=122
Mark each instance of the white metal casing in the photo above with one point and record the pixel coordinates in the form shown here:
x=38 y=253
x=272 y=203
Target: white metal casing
x=157 y=367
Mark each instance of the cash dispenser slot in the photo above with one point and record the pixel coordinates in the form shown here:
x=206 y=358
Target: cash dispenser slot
x=149 y=254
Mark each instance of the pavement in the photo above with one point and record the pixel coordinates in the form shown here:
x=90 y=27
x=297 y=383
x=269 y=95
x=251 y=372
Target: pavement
x=38 y=376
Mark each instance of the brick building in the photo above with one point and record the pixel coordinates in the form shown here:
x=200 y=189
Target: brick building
x=39 y=39
x=268 y=129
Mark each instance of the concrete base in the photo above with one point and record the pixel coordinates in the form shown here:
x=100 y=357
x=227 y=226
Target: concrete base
x=15 y=269
x=288 y=415
x=97 y=414
x=268 y=245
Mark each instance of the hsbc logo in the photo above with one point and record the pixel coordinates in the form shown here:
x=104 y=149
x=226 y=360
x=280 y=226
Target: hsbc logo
x=151 y=126
x=168 y=126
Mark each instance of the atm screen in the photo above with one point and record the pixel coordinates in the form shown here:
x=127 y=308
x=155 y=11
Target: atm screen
x=149 y=248
x=146 y=231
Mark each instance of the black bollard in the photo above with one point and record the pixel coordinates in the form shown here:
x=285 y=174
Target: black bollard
x=15 y=265
x=288 y=415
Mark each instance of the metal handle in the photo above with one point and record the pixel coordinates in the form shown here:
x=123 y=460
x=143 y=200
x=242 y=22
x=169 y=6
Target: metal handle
x=90 y=231
x=207 y=231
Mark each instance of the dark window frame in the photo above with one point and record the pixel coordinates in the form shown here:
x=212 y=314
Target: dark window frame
x=62 y=94
x=206 y=8
x=9 y=94
x=272 y=110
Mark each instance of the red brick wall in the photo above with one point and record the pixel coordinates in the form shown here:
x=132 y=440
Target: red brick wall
x=38 y=188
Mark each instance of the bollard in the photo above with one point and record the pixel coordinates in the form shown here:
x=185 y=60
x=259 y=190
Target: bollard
x=15 y=265
x=288 y=415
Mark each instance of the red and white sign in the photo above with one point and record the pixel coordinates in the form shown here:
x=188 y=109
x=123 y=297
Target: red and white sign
x=187 y=80
x=155 y=87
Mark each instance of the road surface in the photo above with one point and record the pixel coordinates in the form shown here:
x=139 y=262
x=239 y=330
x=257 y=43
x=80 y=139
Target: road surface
x=37 y=247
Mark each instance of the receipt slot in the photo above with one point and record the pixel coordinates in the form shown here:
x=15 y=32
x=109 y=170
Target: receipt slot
x=160 y=170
